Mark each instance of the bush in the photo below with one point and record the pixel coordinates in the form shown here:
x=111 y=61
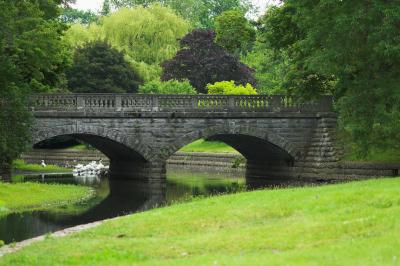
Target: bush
x=168 y=87
x=230 y=88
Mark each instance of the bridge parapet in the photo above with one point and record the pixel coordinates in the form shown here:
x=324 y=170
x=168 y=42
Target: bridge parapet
x=164 y=103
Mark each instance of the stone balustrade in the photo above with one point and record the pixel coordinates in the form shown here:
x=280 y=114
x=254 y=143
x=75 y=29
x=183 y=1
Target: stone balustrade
x=164 y=103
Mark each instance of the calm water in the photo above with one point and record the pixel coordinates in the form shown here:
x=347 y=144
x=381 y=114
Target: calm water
x=116 y=198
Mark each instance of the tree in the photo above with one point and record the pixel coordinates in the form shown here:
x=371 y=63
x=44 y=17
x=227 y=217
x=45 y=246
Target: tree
x=201 y=61
x=106 y=8
x=31 y=59
x=146 y=36
x=201 y=13
x=270 y=68
x=99 y=68
x=72 y=16
x=234 y=32
x=353 y=49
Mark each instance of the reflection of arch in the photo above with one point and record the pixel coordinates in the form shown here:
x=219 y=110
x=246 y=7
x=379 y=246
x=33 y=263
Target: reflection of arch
x=111 y=142
x=233 y=134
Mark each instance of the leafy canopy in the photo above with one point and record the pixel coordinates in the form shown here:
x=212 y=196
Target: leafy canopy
x=201 y=13
x=350 y=49
x=99 y=68
x=201 y=61
x=71 y=15
x=32 y=58
x=234 y=32
x=146 y=36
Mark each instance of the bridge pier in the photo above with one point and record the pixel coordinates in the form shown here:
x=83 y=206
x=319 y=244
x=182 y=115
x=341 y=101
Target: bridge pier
x=256 y=169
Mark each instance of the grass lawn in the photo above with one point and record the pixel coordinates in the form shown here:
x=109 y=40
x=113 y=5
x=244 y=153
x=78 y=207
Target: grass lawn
x=23 y=166
x=208 y=146
x=348 y=224
x=32 y=196
x=80 y=147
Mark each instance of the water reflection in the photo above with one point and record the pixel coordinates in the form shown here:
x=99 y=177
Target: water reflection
x=120 y=197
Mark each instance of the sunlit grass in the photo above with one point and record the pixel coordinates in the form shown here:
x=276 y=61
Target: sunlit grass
x=31 y=196
x=23 y=166
x=348 y=224
x=208 y=146
x=80 y=147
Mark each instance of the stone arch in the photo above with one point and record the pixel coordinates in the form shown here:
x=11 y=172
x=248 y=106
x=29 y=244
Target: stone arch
x=113 y=135
x=233 y=129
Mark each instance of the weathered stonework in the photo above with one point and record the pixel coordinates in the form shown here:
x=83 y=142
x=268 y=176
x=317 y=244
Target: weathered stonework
x=278 y=137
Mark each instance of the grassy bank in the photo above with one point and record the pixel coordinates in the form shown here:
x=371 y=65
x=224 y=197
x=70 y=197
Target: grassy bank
x=32 y=196
x=349 y=224
x=208 y=146
x=21 y=165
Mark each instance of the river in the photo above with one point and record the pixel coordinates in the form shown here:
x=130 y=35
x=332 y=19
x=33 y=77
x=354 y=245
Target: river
x=120 y=197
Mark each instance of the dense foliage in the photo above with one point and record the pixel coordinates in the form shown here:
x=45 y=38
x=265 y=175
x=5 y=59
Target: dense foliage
x=167 y=87
x=31 y=58
x=201 y=61
x=230 y=88
x=146 y=36
x=72 y=15
x=349 y=49
x=99 y=68
x=201 y=13
x=234 y=32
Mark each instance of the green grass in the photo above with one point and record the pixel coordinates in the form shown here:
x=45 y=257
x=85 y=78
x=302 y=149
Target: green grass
x=80 y=147
x=33 y=196
x=208 y=146
x=23 y=166
x=348 y=224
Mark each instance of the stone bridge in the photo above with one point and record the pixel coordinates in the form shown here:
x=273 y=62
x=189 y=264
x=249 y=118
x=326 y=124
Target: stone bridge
x=278 y=135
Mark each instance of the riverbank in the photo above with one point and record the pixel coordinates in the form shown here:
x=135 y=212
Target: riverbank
x=227 y=163
x=22 y=166
x=346 y=224
x=22 y=197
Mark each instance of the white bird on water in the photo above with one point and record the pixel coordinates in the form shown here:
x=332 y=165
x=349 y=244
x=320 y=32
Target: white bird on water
x=91 y=169
x=43 y=164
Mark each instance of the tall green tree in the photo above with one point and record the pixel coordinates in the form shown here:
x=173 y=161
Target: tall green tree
x=99 y=68
x=270 y=68
x=234 y=32
x=71 y=15
x=106 y=8
x=352 y=50
x=31 y=59
x=146 y=36
x=201 y=13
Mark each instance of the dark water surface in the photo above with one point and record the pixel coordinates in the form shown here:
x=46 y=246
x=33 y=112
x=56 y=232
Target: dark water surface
x=120 y=197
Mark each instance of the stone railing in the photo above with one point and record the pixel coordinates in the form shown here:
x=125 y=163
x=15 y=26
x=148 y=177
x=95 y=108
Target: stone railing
x=163 y=103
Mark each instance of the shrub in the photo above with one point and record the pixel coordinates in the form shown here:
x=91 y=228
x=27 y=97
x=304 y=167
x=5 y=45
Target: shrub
x=168 y=87
x=230 y=88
